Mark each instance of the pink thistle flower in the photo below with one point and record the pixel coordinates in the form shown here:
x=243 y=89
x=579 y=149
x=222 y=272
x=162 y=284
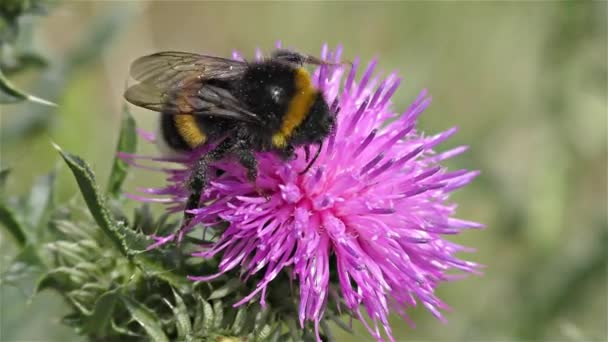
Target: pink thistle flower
x=373 y=209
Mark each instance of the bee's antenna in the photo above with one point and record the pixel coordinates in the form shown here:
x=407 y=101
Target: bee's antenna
x=313 y=159
x=294 y=57
x=317 y=61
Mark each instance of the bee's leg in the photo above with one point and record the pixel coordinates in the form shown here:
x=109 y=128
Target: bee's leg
x=247 y=159
x=199 y=178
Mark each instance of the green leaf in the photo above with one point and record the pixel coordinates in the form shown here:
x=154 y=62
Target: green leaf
x=146 y=318
x=86 y=182
x=40 y=200
x=12 y=94
x=127 y=143
x=230 y=287
x=203 y=321
x=123 y=330
x=72 y=252
x=261 y=318
x=80 y=306
x=152 y=265
x=218 y=312
x=24 y=61
x=129 y=242
x=133 y=242
x=125 y=239
x=57 y=279
x=184 y=327
x=240 y=320
x=14 y=228
x=340 y=323
x=293 y=329
x=26 y=264
x=143 y=220
x=73 y=231
x=264 y=333
x=101 y=317
x=275 y=334
x=329 y=337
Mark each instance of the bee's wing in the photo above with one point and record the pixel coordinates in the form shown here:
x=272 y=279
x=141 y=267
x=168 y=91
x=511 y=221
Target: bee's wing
x=208 y=100
x=171 y=69
x=175 y=83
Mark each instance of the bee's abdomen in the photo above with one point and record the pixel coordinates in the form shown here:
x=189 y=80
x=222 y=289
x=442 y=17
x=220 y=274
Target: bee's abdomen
x=182 y=132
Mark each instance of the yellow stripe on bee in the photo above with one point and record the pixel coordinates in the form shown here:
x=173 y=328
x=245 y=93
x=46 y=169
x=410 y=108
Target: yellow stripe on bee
x=298 y=108
x=189 y=130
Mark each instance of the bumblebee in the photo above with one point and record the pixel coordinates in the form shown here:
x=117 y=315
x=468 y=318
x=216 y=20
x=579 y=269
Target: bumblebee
x=237 y=106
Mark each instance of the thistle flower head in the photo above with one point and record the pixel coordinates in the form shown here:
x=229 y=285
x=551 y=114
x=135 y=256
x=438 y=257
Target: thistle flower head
x=366 y=224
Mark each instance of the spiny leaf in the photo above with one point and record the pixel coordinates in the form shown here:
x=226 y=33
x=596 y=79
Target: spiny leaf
x=89 y=267
x=231 y=286
x=151 y=264
x=75 y=232
x=240 y=320
x=57 y=279
x=261 y=318
x=71 y=251
x=84 y=296
x=126 y=240
x=129 y=242
x=146 y=318
x=94 y=287
x=12 y=94
x=127 y=143
x=122 y=330
x=264 y=333
x=134 y=242
x=218 y=312
x=14 y=228
x=79 y=306
x=205 y=316
x=275 y=334
x=100 y=319
x=184 y=327
x=86 y=182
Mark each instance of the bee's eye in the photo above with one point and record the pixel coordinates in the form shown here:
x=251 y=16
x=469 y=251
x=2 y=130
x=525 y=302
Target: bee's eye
x=276 y=93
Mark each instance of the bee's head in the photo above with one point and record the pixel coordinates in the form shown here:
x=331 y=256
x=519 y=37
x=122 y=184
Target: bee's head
x=317 y=125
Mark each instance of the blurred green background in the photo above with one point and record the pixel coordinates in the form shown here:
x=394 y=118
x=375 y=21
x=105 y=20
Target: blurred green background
x=524 y=81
